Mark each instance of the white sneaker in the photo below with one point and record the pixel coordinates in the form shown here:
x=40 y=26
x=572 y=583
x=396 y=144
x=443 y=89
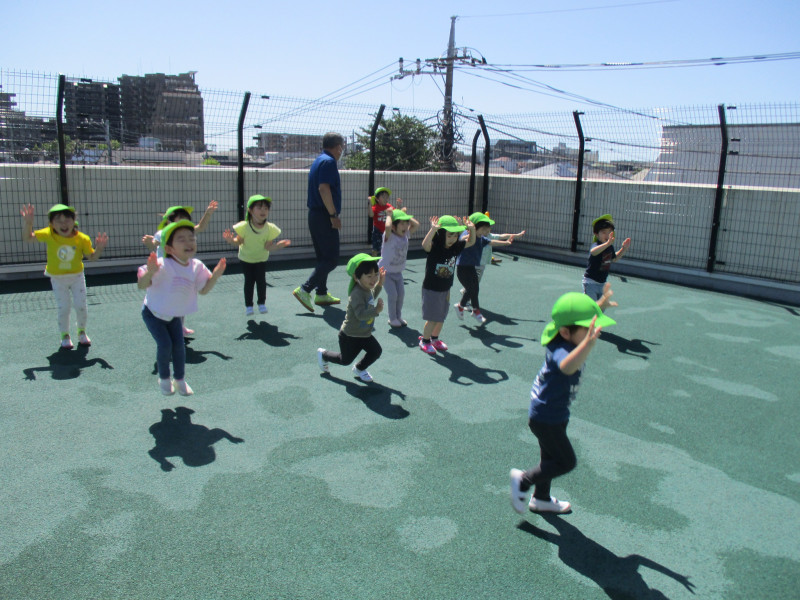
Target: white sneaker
x=362 y=375
x=83 y=339
x=462 y=290
x=518 y=497
x=262 y=308
x=248 y=311
x=554 y=506
x=66 y=342
x=183 y=387
x=323 y=364
x=478 y=317
x=459 y=311
x=166 y=387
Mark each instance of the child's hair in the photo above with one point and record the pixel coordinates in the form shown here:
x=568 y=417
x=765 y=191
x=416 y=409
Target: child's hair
x=66 y=213
x=168 y=242
x=379 y=194
x=179 y=215
x=600 y=225
x=267 y=203
x=482 y=224
x=366 y=267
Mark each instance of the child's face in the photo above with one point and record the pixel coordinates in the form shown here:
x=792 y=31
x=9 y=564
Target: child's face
x=259 y=212
x=604 y=234
x=63 y=225
x=183 y=245
x=577 y=337
x=483 y=229
x=450 y=239
x=369 y=280
x=400 y=227
x=383 y=198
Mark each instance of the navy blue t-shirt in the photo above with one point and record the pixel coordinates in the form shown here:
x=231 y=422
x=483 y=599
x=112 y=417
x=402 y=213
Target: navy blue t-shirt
x=598 y=266
x=552 y=391
x=472 y=256
x=324 y=170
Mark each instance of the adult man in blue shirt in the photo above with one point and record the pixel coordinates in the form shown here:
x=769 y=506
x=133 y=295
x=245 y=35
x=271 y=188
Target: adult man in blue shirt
x=324 y=223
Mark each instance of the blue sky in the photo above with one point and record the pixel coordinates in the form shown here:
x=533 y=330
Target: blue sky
x=307 y=49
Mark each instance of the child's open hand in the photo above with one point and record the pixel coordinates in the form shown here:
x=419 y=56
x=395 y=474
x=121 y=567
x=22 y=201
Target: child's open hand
x=593 y=334
x=284 y=243
x=520 y=234
x=220 y=268
x=627 y=243
x=228 y=236
x=148 y=240
x=611 y=237
x=435 y=222
x=399 y=202
x=152 y=264
x=469 y=224
x=212 y=206
x=605 y=300
x=27 y=213
x=382 y=272
x=379 y=305
x=101 y=240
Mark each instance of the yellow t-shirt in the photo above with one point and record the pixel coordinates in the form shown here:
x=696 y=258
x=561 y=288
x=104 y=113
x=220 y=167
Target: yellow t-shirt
x=64 y=254
x=252 y=250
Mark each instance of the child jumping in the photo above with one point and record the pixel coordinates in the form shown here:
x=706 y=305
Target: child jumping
x=66 y=249
x=443 y=247
x=568 y=339
x=379 y=210
x=255 y=238
x=172 y=285
x=400 y=226
x=601 y=256
x=355 y=335
x=469 y=261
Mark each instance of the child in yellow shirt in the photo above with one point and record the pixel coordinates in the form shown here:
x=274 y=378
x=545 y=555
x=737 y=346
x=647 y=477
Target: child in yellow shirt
x=66 y=249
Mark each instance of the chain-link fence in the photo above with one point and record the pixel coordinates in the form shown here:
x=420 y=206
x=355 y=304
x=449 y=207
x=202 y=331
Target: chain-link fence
x=687 y=184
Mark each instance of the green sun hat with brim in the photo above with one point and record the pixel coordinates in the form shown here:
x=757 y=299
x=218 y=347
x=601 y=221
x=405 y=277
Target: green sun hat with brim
x=479 y=217
x=608 y=218
x=257 y=198
x=373 y=200
x=60 y=208
x=171 y=210
x=450 y=224
x=172 y=227
x=353 y=263
x=399 y=215
x=574 y=308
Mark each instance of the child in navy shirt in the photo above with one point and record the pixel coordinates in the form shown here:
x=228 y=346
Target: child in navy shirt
x=601 y=256
x=569 y=337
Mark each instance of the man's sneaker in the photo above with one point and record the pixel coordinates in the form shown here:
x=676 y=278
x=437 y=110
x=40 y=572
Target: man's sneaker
x=303 y=298
x=66 y=342
x=554 y=506
x=262 y=308
x=183 y=387
x=362 y=375
x=166 y=387
x=187 y=331
x=323 y=364
x=83 y=339
x=459 y=311
x=326 y=300
x=478 y=317
x=518 y=497
x=248 y=311
x=426 y=348
x=439 y=345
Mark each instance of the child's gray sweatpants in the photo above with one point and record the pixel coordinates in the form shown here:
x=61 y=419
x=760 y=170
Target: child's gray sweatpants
x=395 y=294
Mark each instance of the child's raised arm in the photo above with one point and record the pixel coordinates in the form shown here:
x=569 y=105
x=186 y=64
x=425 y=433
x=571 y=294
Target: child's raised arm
x=218 y=271
x=472 y=236
x=146 y=278
x=599 y=248
x=428 y=241
x=272 y=245
x=575 y=359
x=27 y=224
x=621 y=252
x=100 y=243
x=387 y=230
x=232 y=238
x=201 y=226
x=151 y=242
x=412 y=228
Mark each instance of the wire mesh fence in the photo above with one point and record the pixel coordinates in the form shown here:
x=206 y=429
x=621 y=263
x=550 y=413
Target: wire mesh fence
x=687 y=184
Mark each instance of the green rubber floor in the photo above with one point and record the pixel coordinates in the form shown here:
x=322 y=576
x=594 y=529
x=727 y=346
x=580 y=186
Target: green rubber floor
x=685 y=427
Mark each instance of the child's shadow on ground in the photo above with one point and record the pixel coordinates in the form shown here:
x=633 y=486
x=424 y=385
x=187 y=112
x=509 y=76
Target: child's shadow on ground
x=617 y=576
x=408 y=335
x=67 y=364
x=269 y=334
x=633 y=347
x=461 y=368
x=332 y=315
x=195 y=357
x=376 y=397
x=176 y=435
x=489 y=339
x=504 y=320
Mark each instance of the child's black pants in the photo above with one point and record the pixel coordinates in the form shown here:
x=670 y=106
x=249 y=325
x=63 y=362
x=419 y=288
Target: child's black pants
x=468 y=276
x=558 y=458
x=350 y=346
x=255 y=275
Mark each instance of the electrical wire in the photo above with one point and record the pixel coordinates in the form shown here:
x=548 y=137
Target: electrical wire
x=563 y=10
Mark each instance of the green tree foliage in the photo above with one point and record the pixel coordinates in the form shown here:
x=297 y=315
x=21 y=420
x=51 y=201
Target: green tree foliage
x=402 y=143
x=211 y=162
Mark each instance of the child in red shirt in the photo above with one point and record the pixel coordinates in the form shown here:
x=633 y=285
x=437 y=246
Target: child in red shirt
x=379 y=209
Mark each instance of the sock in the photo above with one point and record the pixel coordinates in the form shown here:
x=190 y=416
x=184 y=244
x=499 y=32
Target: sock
x=426 y=340
x=434 y=338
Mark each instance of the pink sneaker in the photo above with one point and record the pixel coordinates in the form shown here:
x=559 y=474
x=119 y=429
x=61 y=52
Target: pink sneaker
x=439 y=345
x=426 y=348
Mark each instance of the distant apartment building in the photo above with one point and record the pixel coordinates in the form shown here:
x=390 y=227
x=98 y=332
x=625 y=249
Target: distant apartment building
x=168 y=108
x=515 y=149
x=92 y=110
x=290 y=145
x=563 y=151
x=20 y=134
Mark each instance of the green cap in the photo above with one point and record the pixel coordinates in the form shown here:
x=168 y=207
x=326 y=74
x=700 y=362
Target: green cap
x=383 y=189
x=608 y=218
x=171 y=210
x=352 y=265
x=60 y=207
x=479 y=217
x=574 y=308
x=257 y=198
x=172 y=227
x=399 y=215
x=450 y=224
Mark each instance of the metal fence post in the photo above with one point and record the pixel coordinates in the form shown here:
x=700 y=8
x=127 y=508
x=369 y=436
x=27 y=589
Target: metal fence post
x=723 y=158
x=371 y=183
x=472 y=172
x=487 y=153
x=62 y=151
x=579 y=182
x=240 y=155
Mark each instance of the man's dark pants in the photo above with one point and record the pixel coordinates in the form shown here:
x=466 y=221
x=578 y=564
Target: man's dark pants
x=326 y=247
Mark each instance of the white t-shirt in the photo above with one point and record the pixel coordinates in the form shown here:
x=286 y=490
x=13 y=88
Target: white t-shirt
x=173 y=289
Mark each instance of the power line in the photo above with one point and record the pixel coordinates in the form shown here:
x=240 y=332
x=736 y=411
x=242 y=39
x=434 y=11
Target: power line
x=563 y=10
